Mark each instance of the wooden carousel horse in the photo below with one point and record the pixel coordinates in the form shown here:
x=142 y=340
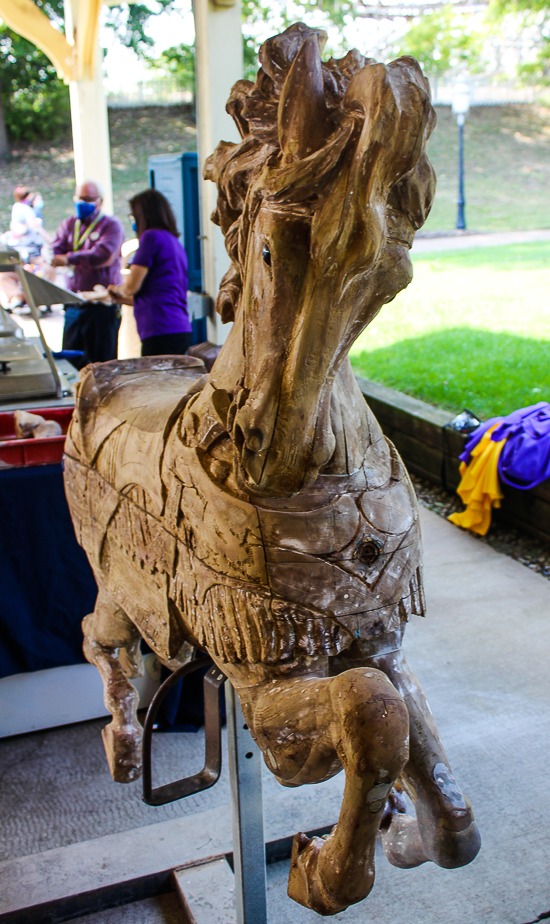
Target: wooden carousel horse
x=258 y=512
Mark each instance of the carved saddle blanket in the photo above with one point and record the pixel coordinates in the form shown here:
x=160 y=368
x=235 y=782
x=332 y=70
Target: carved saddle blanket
x=190 y=557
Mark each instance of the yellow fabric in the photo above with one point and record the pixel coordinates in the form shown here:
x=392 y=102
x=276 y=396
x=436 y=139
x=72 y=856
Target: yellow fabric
x=480 y=486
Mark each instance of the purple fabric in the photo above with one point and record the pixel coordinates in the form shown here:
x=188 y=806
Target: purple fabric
x=98 y=261
x=160 y=306
x=525 y=458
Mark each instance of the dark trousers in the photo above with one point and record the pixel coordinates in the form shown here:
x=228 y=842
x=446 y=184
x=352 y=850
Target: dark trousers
x=166 y=344
x=92 y=329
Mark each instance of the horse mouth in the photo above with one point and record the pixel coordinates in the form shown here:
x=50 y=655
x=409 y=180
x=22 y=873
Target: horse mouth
x=400 y=229
x=280 y=471
x=399 y=240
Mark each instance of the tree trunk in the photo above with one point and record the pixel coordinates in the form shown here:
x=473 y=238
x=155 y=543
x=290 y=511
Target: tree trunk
x=5 y=150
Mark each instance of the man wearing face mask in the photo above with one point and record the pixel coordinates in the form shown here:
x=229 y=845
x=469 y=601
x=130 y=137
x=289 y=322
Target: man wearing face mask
x=90 y=242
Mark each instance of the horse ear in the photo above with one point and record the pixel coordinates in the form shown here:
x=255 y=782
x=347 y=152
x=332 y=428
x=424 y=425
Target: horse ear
x=303 y=118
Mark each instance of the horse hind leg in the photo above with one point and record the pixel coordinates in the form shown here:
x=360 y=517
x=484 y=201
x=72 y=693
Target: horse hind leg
x=111 y=643
x=308 y=729
x=444 y=830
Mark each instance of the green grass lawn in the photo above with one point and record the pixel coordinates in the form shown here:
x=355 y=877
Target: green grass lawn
x=472 y=330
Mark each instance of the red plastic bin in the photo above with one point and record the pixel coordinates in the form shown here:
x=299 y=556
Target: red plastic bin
x=33 y=451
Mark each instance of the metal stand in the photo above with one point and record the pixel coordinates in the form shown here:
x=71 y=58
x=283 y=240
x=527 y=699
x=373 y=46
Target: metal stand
x=210 y=773
x=199 y=866
x=213 y=878
x=245 y=768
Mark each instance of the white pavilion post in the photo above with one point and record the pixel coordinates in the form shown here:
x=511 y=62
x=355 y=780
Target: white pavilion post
x=219 y=63
x=92 y=152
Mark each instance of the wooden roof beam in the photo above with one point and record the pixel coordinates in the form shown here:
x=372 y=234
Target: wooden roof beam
x=24 y=17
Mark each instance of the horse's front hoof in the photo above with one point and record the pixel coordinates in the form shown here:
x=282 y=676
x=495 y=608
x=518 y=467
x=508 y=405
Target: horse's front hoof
x=123 y=750
x=304 y=882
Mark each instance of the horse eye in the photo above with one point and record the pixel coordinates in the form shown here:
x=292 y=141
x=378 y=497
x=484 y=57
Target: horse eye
x=266 y=254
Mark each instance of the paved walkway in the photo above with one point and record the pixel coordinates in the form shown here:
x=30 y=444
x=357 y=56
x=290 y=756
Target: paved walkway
x=483 y=656
x=465 y=241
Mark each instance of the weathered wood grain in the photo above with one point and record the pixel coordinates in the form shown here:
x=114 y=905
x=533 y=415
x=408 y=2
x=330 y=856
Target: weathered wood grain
x=259 y=512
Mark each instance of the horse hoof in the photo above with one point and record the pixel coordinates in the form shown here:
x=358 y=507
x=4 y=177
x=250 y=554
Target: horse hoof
x=402 y=842
x=304 y=881
x=454 y=849
x=450 y=840
x=123 y=750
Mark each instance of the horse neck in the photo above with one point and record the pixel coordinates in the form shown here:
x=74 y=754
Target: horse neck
x=352 y=421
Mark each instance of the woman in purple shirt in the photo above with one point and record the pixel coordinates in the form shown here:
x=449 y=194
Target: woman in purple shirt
x=157 y=283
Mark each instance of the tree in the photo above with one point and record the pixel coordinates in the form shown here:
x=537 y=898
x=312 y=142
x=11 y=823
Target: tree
x=441 y=36
x=34 y=102
x=32 y=98
x=443 y=41
x=260 y=18
x=179 y=62
x=129 y=21
x=5 y=152
x=531 y=19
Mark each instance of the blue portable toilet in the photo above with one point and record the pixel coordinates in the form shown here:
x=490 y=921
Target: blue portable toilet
x=176 y=176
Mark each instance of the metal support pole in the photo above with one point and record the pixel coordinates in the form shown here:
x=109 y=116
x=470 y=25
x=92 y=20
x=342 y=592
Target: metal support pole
x=461 y=217
x=245 y=770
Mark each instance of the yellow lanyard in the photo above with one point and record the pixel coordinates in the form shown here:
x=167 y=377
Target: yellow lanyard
x=79 y=241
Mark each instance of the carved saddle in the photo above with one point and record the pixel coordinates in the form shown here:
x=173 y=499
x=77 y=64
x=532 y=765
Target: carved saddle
x=251 y=580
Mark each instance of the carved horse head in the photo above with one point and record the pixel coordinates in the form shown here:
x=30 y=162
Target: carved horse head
x=319 y=204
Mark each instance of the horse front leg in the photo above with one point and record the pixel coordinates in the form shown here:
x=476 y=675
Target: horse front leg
x=308 y=728
x=444 y=830
x=111 y=643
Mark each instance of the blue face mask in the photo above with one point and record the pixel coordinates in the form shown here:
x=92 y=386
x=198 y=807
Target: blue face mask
x=134 y=227
x=84 y=209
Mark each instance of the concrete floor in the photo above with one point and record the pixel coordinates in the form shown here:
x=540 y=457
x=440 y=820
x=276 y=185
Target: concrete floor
x=483 y=656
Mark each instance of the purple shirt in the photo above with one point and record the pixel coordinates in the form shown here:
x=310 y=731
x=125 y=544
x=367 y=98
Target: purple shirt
x=160 y=306
x=97 y=261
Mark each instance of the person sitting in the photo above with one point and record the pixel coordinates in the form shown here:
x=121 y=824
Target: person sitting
x=90 y=242
x=26 y=235
x=157 y=283
x=26 y=232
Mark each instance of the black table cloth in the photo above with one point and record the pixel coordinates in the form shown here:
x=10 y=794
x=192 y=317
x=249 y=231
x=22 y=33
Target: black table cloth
x=46 y=583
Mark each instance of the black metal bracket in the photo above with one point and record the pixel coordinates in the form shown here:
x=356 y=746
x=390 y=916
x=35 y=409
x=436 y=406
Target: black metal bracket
x=210 y=773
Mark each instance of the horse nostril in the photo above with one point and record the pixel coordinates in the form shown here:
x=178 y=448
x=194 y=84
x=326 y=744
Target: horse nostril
x=238 y=437
x=251 y=439
x=255 y=440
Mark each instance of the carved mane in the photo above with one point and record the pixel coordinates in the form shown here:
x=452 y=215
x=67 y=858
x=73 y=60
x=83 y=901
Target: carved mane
x=294 y=179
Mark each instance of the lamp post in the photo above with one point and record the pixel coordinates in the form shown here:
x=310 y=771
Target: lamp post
x=461 y=107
